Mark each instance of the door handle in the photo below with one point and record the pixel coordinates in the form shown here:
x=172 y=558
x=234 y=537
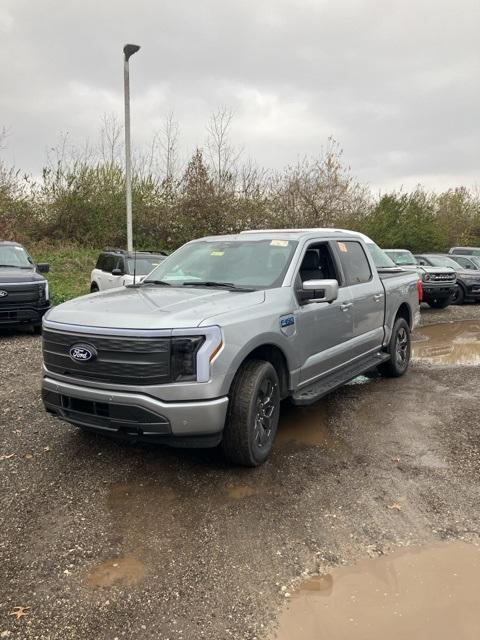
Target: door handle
x=346 y=306
x=377 y=297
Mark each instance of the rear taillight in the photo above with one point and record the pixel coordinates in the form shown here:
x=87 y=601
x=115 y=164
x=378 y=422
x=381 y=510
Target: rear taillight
x=420 y=290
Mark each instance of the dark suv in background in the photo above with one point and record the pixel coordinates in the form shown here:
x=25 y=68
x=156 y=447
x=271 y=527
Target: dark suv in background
x=117 y=268
x=439 y=283
x=468 y=281
x=24 y=295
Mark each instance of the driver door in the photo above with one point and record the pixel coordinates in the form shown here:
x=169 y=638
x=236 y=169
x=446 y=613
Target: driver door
x=324 y=330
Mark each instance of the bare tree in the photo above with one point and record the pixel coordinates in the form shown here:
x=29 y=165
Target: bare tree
x=223 y=155
x=111 y=139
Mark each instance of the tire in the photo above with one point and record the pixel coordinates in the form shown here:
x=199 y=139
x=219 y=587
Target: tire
x=399 y=349
x=253 y=414
x=459 y=295
x=94 y=287
x=37 y=329
x=440 y=304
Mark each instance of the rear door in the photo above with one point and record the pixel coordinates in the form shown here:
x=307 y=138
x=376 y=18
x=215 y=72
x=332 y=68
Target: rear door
x=324 y=331
x=107 y=268
x=368 y=296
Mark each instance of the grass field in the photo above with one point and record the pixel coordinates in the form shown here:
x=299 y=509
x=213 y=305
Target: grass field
x=70 y=268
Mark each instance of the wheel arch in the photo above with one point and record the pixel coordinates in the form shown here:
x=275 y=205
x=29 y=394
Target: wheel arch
x=274 y=354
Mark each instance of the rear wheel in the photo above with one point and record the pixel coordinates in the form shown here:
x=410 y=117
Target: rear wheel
x=253 y=414
x=440 y=304
x=94 y=287
x=399 y=349
x=459 y=295
x=37 y=329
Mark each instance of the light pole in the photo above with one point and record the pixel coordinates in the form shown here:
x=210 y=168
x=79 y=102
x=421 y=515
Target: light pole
x=128 y=51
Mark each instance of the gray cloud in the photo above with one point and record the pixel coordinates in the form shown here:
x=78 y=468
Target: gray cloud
x=396 y=83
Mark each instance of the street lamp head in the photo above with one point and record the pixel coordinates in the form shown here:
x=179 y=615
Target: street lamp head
x=130 y=49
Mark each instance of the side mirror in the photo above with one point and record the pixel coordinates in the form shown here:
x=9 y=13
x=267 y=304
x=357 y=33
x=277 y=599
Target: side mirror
x=43 y=267
x=319 y=291
x=117 y=272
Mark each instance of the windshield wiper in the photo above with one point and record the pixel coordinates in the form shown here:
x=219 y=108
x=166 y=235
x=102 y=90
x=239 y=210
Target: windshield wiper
x=212 y=283
x=160 y=283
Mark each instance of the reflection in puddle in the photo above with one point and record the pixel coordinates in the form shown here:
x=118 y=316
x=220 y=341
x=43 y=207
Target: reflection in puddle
x=125 y=570
x=454 y=343
x=303 y=426
x=422 y=593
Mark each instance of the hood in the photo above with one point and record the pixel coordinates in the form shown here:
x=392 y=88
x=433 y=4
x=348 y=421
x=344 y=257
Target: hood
x=472 y=274
x=152 y=307
x=8 y=275
x=427 y=269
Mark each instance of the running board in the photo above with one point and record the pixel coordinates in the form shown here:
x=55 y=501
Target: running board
x=315 y=391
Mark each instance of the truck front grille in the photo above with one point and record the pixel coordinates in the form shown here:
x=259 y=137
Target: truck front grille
x=118 y=360
x=443 y=277
x=28 y=293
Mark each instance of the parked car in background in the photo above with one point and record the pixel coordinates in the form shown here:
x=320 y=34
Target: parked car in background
x=439 y=283
x=467 y=262
x=465 y=251
x=203 y=350
x=468 y=281
x=24 y=294
x=118 y=268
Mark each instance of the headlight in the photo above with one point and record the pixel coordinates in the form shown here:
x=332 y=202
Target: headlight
x=47 y=292
x=183 y=357
x=193 y=351
x=426 y=277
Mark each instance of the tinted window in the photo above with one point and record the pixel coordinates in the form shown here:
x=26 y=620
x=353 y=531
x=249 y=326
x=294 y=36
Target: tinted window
x=109 y=263
x=100 y=262
x=354 y=262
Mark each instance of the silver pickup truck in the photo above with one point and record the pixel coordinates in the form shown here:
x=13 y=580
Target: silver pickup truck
x=204 y=349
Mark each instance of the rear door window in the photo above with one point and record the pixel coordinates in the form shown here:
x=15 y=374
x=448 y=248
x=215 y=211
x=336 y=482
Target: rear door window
x=109 y=263
x=354 y=261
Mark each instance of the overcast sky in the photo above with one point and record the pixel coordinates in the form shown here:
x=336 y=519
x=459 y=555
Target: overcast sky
x=396 y=83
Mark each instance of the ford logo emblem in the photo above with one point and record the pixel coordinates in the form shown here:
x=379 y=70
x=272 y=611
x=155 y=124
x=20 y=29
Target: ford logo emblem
x=3 y=293
x=82 y=352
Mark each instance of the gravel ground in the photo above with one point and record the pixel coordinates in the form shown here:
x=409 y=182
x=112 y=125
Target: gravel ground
x=105 y=540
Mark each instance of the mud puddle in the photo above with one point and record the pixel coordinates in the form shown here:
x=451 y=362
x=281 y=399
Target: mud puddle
x=453 y=343
x=421 y=593
x=125 y=570
x=303 y=426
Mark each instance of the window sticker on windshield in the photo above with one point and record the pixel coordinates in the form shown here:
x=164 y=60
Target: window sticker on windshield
x=217 y=253
x=343 y=247
x=279 y=243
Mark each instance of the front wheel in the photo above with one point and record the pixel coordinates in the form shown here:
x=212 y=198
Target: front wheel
x=459 y=295
x=399 y=349
x=253 y=414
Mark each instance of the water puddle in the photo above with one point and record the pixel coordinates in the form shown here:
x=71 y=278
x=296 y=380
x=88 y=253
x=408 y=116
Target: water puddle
x=453 y=343
x=303 y=426
x=240 y=491
x=125 y=570
x=421 y=593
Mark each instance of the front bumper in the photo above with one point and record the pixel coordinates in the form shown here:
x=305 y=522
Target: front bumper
x=13 y=315
x=473 y=291
x=437 y=291
x=135 y=415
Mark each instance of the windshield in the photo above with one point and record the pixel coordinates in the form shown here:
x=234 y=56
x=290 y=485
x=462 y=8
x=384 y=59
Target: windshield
x=442 y=261
x=253 y=264
x=379 y=257
x=402 y=258
x=144 y=265
x=14 y=256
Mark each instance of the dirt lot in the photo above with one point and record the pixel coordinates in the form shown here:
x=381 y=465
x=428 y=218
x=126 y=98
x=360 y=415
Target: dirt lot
x=102 y=540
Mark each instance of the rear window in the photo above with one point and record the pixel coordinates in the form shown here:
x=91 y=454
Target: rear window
x=354 y=262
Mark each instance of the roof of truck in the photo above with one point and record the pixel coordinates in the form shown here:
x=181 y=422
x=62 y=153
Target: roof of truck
x=296 y=234
x=10 y=243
